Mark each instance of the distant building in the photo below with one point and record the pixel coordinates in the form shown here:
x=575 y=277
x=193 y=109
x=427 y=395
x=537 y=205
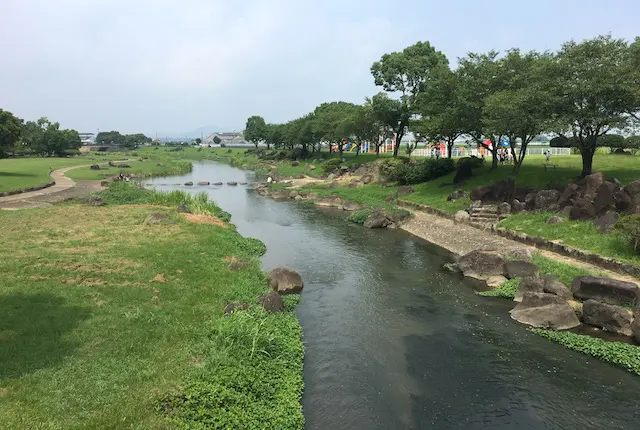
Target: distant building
x=87 y=138
x=228 y=139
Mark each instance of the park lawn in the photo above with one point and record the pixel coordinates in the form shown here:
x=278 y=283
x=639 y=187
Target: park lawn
x=18 y=173
x=579 y=234
x=111 y=322
x=139 y=167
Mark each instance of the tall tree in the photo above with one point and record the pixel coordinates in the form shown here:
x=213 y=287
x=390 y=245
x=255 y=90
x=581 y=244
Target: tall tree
x=522 y=109
x=478 y=77
x=274 y=135
x=596 y=90
x=110 y=138
x=10 y=131
x=362 y=126
x=328 y=122
x=391 y=114
x=407 y=73
x=441 y=112
x=256 y=130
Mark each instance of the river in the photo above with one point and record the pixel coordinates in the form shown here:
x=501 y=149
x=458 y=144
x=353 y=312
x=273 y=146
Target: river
x=393 y=342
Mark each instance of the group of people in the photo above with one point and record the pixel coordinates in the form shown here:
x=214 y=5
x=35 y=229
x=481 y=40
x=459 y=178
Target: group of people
x=504 y=156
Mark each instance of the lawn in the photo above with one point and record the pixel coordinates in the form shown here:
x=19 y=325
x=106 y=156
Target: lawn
x=17 y=173
x=578 y=234
x=107 y=321
x=139 y=167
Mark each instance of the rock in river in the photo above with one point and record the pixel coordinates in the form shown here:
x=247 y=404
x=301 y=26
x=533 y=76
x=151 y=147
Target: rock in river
x=272 y=302
x=544 y=310
x=614 y=319
x=481 y=264
x=285 y=281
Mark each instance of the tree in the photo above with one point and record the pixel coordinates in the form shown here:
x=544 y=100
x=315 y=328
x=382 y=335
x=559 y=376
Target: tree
x=10 y=131
x=274 y=135
x=442 y=114
x=132 y=140
x=362 y=125
x=216 y=140
x=198 y=140
x=408 y=73
x=256 y=130
x=393 y=115
x=329 y=122
x=521 y=110
x=597 y=91
x=612 y=141
x=632 y=143
x=110 y=138
x=478 y=77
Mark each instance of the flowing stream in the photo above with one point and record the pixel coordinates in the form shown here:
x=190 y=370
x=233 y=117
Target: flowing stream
x=392 y=342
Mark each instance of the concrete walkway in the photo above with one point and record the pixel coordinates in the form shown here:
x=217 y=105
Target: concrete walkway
x=460 y=239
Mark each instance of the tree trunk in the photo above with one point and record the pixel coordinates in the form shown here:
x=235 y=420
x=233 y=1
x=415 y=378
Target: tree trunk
x=588 y=150
x=378 y=149
x=450 y=147
x=396 y=147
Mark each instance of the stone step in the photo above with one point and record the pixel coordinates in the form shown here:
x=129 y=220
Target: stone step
x=484 y=219
x=485 y=209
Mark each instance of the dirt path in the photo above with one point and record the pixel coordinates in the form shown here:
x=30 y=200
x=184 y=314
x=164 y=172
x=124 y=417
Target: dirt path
x=461 y=239
x=64 y=189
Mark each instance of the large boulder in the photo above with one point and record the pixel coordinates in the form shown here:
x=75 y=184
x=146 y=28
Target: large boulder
x=481 y=264
x=504 y=208
x=610 y=318
x=462 y=217
x=517 y=206
x=480 y=193
x=544 y=310
x=280 y=195
x=545 y=199
x=633 y=191
x=397 y=216
x=569 y=196
x=94 y=167
x=520 y=269
x=592 y=184
x=623 y=201
x=272 y=302
x=349 y=205
x=531 y=284
x=530 y=201
x=582 y=210
x=605 y=222
x=606 y=290
x=377 y=220
x=518 y=253
x=406 y=189
x=605 y=198
x=553 y=285
x=285 y=281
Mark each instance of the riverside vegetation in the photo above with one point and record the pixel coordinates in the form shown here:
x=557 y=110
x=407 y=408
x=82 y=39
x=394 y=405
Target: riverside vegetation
x=116 y=313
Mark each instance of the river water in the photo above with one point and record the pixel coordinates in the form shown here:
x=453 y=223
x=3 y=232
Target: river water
x=392 y=342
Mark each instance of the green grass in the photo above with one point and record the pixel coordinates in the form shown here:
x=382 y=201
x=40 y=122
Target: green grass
x=111 y=322
x=372 y=195
x=579 y=234
x=620 y=354
x=18 y=173
x=505 y=291
x=151 y=167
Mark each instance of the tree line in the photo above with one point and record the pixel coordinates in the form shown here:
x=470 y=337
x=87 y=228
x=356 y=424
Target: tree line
x=41 y=137
x=125 y=140
x=582 y=93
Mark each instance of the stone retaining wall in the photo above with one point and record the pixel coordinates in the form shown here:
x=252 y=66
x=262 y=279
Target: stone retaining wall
x=27 y=190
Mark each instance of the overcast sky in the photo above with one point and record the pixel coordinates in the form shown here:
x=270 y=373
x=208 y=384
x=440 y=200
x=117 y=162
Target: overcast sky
x=170 y=66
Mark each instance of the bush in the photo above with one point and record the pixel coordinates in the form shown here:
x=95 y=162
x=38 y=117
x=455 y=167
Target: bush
x=360 y=216
x=332 y=165
x=473 y=160
x=630 y=227
x=423 y=171
x=390 y=166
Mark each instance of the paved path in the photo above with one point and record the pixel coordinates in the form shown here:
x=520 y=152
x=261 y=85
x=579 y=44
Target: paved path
x=461 y=239
x=65 y=188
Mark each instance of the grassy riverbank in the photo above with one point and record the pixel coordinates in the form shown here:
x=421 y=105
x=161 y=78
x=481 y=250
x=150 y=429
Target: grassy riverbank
x=112 y=321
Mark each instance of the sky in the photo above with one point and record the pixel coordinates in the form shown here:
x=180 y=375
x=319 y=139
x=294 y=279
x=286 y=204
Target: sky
x=167 y=67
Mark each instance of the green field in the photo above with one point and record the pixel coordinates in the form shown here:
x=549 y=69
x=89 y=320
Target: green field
x=150 y=167
x=108 y=321
x=17 y=173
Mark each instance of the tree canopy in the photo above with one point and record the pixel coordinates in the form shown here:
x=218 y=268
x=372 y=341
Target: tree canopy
x=256 y=129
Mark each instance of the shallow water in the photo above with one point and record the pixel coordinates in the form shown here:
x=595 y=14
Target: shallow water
x=393 y=342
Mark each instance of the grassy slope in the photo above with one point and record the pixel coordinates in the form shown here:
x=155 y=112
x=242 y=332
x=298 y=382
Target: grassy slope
x=89 y=339
x=150 y=167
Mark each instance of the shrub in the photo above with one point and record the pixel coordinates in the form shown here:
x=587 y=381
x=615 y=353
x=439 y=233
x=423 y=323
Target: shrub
x=332 y=165
x=360 y=216
x=629 y=226
x=506 y=290
x=423 y=171
x=298 y=154
x=473 y=160
x=390 y=166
